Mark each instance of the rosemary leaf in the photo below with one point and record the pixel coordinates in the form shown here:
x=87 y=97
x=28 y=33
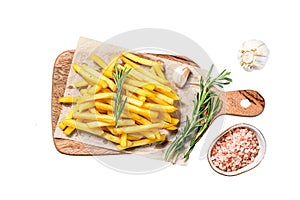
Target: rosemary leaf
x=119 y=78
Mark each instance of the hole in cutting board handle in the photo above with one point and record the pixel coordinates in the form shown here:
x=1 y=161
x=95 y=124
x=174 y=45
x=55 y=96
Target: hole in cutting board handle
x=245 y=103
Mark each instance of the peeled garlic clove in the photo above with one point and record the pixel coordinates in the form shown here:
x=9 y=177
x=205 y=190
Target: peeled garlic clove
x=253 y=54
x=181 y=75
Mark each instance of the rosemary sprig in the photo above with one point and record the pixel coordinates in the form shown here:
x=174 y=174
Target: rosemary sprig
x=206 y=105
x=119 y=78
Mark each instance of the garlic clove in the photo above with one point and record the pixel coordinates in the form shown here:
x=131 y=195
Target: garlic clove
x=181 y=75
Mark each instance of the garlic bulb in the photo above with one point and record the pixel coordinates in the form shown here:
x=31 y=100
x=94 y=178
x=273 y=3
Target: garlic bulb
x=181 y=75
x=253 y=54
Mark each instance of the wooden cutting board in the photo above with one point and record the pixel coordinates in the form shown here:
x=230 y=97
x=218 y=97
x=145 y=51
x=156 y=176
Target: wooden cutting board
x=61 y=70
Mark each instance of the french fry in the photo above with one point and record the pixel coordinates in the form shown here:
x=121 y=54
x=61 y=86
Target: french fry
x=141 y=142
x=98 y=96
x=158 y=107
x=172 y=128
x=68 y=99
x=157 y=135
x=164 y=91
x=101 y=63
x=149 y=135
x=148 y=86
x=69 y=130
x=82 y=126
x=138 y=91
x=134 y=137
x=140 y=60
x=97 y=124
x=149 y=114
x=84 y=92
x=81 y=83
x=174 y=121
x=141 y=120
x=142 y=98
x=94 y=89
x=138 y=128
x=165 y=98
x=123 y=142
x=123 y=122
x=88 y=77
x=94 y=116
x=85 y=106
x=103 y=106
x=158 y=101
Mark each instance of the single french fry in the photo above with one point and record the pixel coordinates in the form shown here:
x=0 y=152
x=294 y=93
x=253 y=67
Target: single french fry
x=85 y=106
x=158 y=107
x=108 y=73
x=140 y=60
x=149 y=114
x=123 y=122
x=94 y=89
x=164 y=97
x=157 y=135
x=138 y=128
x=103 y=84
x=142 y=98
x=141 y=120
x=83 y=92
x=101 y=63
x=81 y=83
x=149 y=135
x=123 y=142
x=170 y=94
x=106 y=90
x=139 y=91
x=94 y=116
x=112 y=138
x=68 y=99
x=141 y=142
x=103 y=106
x=68 y=130
x=134 y=137
x=172 y=128
x=96 y=97
x=97 y=124
x=148 y=86
x=87 y=76
x=158 y=101
x=82 y=126
x=174 y=121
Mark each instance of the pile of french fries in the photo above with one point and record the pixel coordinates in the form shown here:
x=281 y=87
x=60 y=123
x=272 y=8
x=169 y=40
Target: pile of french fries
x=148 y=109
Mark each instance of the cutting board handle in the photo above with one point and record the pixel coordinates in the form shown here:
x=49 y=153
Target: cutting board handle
x=247 y=103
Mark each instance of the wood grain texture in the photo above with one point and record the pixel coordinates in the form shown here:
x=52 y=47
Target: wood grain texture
x=61 y=70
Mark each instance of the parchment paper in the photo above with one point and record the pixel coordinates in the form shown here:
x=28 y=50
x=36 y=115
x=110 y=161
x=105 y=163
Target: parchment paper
x=86 y=47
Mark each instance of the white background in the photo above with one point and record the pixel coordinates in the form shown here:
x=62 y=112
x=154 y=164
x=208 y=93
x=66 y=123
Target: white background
x=33 y=33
